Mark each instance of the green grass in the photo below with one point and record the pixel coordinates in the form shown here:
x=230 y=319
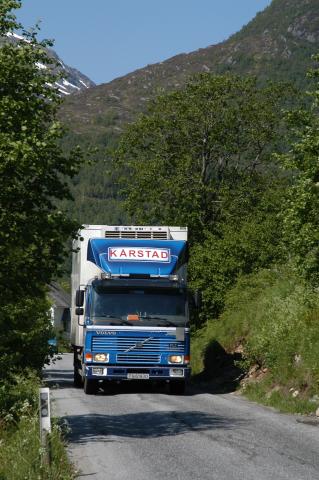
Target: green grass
x=274 y=316
x=201 y=339
x=21 y=453
x=263 y=392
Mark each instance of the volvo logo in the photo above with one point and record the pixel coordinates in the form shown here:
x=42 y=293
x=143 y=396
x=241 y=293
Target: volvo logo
x=105 y=332
x=138 y=345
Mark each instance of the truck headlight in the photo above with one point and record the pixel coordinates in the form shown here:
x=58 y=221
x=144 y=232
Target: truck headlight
x=175 y=359
x=101 y=357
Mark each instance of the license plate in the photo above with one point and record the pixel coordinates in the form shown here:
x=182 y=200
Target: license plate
x=138 y=376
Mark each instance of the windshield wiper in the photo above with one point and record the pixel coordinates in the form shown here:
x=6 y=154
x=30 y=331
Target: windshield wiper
x=121 y=321
x=164 y=320
x=106 y=316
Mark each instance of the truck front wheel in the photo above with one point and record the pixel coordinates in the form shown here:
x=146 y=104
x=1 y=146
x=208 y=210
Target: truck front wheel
x=90 y=386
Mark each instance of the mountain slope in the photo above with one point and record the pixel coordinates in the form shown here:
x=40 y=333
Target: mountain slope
x=277 y=44
x=72 y=81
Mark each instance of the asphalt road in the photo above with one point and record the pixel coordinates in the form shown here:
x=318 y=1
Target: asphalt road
x=134 y=433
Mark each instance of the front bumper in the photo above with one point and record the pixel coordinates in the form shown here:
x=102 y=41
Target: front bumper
x=114 y=372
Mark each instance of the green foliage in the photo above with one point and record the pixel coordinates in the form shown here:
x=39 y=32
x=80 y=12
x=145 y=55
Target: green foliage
x=273 y=315
x=249 y=238
x=300 y=215
x=8 y=20
x=24 y=334
x=108 y=119
x=200 y=341
x=96 y=199
x=268 y=393
x=33 y=173
x=179 y=157
x=21 y=453
x=202 y=157
x=19 y=396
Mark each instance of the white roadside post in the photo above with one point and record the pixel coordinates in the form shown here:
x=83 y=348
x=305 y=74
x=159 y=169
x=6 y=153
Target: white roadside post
x=45 y=421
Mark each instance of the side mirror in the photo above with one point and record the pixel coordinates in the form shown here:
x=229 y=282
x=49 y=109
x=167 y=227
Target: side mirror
x=79 y=298
x=79 y=311
x=198 y=299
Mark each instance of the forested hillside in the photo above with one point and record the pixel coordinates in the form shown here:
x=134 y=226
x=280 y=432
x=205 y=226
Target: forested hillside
x=277 y=44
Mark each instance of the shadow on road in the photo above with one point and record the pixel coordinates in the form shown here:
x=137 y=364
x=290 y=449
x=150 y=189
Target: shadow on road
x=111 y=428
x=58 y=378
x=220 y=374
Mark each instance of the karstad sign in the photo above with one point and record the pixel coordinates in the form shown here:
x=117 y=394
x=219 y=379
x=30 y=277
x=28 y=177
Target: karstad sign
x=140 y=254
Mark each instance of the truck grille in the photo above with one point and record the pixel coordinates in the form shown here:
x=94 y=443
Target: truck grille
x=136 y=344
x=138 y=358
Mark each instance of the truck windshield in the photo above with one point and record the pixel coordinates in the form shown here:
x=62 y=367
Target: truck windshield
x=138 y=306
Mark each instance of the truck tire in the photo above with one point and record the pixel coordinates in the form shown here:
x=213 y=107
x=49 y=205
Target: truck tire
x=90 y=386
x=77 y=379
x=177 y=388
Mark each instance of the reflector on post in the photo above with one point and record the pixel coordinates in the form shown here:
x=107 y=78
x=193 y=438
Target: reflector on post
x=45 y=419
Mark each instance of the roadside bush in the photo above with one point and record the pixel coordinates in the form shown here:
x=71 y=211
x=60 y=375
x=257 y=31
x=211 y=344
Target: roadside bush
x=249 y=238
x=18 y=396
x=21 y=453
x=25 y=331
x=201 y=339
x=274 y=317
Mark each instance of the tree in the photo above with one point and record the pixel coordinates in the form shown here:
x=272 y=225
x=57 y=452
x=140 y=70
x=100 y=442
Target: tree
x=203 y=157
x=34 y=173
x=175 y=160
x=249 y=238
x=300 y=213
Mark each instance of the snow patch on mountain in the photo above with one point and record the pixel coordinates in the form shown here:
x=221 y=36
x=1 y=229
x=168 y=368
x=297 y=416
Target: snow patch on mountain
x=72 y=80
x=16 y=37
x=86 y=86
x=69 y=84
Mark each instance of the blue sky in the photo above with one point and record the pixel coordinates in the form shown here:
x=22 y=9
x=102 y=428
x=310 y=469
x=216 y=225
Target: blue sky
x=105 y=39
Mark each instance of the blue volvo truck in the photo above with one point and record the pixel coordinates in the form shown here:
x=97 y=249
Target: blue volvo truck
x=130 y=306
